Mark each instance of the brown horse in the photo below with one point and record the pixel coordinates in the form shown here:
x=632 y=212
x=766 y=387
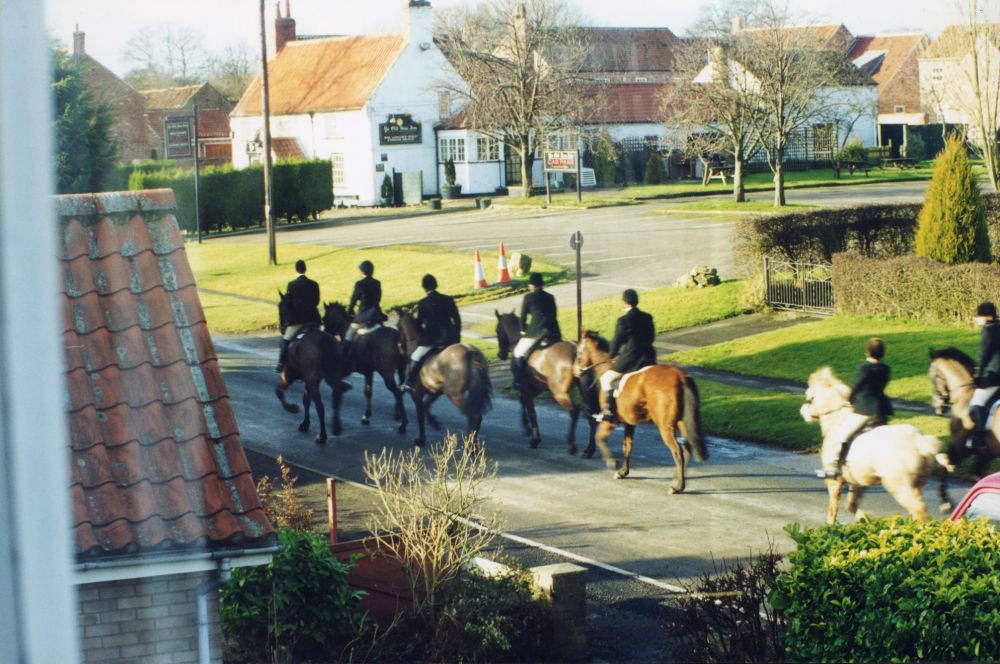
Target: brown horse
x=662 y=394
x=550 y=368
x=459 y=371
x=376 y=351
x=314 y=357
x=951 y=374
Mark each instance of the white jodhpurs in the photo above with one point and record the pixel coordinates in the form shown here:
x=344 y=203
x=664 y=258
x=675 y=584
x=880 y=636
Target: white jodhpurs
x=609 y=379
x=523 y=345
x=291 y=331
x=419 y=353
x=982 y=395
x=849 y=424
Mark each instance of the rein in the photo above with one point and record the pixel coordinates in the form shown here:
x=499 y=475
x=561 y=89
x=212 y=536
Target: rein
x=595 y=364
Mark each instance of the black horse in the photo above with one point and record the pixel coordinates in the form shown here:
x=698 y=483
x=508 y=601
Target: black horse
x=376 y=351
x=459 y=371
x=549 y=368
x=314 y=356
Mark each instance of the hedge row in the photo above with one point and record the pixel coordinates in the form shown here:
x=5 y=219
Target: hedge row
x=913 y=288
x=892 y=590
x=234 y=199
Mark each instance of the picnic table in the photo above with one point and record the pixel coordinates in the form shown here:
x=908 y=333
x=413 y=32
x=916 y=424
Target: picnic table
x=717 y=171
x=899 y=162
x=852 y=166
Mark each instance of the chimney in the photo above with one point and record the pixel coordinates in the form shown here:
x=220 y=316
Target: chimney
x=737 y=24
x=284 y=28
x=418 y=23
x=520 y=22
x=78 y=38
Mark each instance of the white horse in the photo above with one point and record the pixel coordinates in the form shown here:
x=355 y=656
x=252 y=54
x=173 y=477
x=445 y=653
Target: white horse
x=898 y=456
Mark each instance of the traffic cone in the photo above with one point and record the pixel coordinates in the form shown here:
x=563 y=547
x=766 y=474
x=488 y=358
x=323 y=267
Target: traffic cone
x=504 y=273
x=479 y=276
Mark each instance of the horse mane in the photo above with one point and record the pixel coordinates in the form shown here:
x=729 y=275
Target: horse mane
x=952 y=353
x=602 y=344
x=825 y=378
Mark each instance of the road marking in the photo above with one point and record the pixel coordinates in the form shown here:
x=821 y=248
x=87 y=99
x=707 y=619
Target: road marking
x=524 y=540
x=622 y=258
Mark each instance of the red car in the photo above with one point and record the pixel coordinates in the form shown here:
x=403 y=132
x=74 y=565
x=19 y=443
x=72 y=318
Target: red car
x=983 y=499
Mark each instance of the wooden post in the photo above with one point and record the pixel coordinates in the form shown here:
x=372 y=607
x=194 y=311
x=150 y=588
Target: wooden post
x=331 y=508
x=579 y=172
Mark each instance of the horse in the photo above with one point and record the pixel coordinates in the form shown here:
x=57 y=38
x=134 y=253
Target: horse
x=898 y=456
x=662 y=394
x=951 y=374
x=459 y=371
x=550 y=368
x=374 y=351
x=313 y=357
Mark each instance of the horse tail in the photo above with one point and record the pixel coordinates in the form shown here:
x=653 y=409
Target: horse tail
x=931 y=446
x=477 y=398
x=692 y=419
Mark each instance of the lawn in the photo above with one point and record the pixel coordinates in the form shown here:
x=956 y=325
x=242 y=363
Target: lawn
x=753 y=182
x=672 y=308
x=239 y=290
x=793 y=353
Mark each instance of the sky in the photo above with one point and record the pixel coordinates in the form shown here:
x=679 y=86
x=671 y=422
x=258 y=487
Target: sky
x=109 y=24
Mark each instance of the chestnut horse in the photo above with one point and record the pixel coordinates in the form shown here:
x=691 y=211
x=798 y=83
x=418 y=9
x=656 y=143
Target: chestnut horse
x=459 y=371
x=375 y=351
x=951 y=373
x=898 y=456
x=549 y=368
x=662 y=394
x=313 y=358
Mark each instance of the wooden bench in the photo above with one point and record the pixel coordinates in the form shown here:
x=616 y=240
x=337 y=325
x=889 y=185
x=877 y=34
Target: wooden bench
x=852 y=166
x=717 y=171
x=900 y=163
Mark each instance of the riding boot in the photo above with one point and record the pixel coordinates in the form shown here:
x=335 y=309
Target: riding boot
x=282 y=355
x=609 y=413
x=517 y=366
x=412 y=373
x=977 y=439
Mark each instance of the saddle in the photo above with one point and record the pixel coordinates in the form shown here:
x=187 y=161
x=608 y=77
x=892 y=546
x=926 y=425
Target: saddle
x=306 y=328
x=368 y=328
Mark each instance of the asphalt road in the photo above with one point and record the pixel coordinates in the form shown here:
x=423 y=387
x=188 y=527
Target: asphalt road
x=736 y=503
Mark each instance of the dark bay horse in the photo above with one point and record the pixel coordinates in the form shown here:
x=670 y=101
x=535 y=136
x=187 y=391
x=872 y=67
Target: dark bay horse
x=549 y=368
x=662 y=394
x=951 y=374
x=313 y=358
x=459 y=372
x=373 y=352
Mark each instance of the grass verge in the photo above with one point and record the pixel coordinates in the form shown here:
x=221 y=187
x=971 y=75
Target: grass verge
x=795 y=352
x=717 y=205
x=239 y=290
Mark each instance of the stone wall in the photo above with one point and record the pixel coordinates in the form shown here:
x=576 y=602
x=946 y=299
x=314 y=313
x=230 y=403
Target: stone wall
x=152 y=620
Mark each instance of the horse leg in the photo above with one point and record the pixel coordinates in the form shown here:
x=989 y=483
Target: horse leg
x=306 y=404
x=279 y=391
x=670 y=440
x=909 y=497
x=525 y=420
x=854 y=493
x=317 y=398
x=433 y=421
x=626 y=452
x=833 y=488
x=418 y=406
x=338 y=396
x=366 y=419
x=574 y=415
x=399 y=413
x=472 y=430
x=588 y=452
x=528 y=404
x=603 y=432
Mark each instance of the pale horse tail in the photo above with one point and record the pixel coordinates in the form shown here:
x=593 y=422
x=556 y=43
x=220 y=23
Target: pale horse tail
x=930 y=446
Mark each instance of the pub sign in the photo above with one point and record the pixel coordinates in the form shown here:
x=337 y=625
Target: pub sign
x=400 y=129
x=560 y=161
x=177 y=136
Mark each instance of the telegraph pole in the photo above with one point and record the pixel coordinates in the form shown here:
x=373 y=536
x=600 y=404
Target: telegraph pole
x=272 y=254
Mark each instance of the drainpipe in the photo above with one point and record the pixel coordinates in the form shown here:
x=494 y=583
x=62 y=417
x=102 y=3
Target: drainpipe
x=202 y=592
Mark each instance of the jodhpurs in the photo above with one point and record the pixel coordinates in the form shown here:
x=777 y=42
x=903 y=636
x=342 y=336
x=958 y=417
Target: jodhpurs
x=850 y=425
x=523 y=347
x=419 y=353
x=982 y=395
x=291 y=331
x=609 y=380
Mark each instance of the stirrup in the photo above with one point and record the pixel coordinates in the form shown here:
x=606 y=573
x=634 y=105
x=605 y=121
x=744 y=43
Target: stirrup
x=606 y=416
x=825 y=474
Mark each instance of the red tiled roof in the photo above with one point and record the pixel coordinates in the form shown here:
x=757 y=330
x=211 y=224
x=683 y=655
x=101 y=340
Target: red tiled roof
x=897 y=48
x=157 y=462
x=213 y=123
x=955 y=40
x=629 y=49
x=329 y=74
x=170 y=98
x=629 y=103
x=286 y=148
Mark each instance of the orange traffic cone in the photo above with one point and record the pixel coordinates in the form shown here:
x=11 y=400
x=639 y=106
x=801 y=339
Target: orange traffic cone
x=504 y=273
x=479 y=276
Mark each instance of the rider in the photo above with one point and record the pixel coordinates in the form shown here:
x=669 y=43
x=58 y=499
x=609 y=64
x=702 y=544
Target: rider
x=367 y=296
x=987 y=378
x=631 y=350
x=440 y=326
x=538 y=307
x=303 y=299
x=871 y=407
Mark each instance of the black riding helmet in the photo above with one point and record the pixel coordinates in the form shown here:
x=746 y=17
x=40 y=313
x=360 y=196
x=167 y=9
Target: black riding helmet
x=630 y=297
x=429 y=283
x=987 y=310
x=367 y=268
x=535 y=280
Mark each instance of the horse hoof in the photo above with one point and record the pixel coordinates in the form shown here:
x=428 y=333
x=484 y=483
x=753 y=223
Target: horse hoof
x=320 y=440
x=534 y=442
x=674 y=490
x=291 y=408
x=365 y=421
x=946 y=508
x=587 y=453
x=571 y=449
x=337 y=429
x=418 y=442
x=303 y=427
x=401 y=429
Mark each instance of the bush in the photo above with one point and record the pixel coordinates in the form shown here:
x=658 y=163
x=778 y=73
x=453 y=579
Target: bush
x=914 y=146
x=655 y=173
x=298 y=607
x=952 y=225
x=449 y=172
x=386 y=192
x=282 y=505
x=912 y=288
x=854 y=151
x=892 y=590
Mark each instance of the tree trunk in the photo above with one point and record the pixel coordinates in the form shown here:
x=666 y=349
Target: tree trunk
x=779 y=177
x=739 y=193
x=527 y=161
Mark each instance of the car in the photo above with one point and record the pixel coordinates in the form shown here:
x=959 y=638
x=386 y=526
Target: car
x=982 y=500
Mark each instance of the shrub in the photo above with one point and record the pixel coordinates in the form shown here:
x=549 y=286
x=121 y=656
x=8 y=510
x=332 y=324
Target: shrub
x=449 y=172
x=655 y=173
x=726 y=617
x=604 y=167
x=892 y=590
x=854 y=151
x=952 y=224
x=298 y=607
x=283 y=506
x=914 y=146
x=386 y=193
x=911 y=287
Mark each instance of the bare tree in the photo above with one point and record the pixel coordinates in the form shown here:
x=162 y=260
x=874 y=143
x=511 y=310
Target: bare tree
x=231 y=72
x=517 y=66
x=165 y=55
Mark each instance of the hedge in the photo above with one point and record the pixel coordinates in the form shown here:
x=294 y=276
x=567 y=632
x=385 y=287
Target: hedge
x=234 y=199
x=892 y=590
x=912 y=287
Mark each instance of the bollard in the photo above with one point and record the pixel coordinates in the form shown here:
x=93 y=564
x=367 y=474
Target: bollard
x=565 y=587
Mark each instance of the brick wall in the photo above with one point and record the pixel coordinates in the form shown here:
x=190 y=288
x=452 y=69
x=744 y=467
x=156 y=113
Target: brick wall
x=128 y=106
x=152 y=620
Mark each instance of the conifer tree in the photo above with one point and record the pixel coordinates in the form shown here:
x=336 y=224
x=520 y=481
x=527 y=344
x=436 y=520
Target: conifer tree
x=952 y=224
x=655 y=173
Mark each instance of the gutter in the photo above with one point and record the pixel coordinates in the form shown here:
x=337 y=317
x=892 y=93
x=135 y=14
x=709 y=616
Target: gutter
x=133 y=567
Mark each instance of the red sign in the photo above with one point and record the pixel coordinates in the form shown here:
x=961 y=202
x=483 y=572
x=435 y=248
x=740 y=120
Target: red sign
x=560 y=161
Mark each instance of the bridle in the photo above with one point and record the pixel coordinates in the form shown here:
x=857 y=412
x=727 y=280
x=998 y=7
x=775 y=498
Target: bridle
x=591 y=366
x=818 y=416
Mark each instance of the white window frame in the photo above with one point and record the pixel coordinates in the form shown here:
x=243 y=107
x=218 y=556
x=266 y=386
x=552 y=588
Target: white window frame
x=338 y=164
x=487 y=149
x=451 y=148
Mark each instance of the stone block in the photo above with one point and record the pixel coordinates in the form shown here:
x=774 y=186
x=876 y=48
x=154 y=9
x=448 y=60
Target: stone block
x=520 y=264
x=565 y=587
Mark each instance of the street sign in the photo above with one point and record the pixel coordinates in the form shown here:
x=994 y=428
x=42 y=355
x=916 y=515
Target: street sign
x=177 y=137
x=576 y=240
x=560 y=161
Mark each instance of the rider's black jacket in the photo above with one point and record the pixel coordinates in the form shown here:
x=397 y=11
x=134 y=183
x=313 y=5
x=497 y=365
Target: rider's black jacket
x=303 y=296
x=868 y=392
x=989 y=356
x=538 y=316
x=367 y=296
x=440 y=323
x=633 y=341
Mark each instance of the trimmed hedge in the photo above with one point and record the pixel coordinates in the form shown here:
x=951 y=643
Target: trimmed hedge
x=912 y=287
x=892 y=590
x=234 y=199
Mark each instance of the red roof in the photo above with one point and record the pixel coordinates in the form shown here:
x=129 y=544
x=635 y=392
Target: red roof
x=629 y=103
x=157 y=462
x=213 y=123
x=629 y=49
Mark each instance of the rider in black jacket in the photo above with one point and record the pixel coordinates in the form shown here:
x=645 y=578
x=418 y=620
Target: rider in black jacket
x=631 y=350
x=303 y=296
x=988 y=373
x=367 y=297
x=539 y=323
x=440 y=326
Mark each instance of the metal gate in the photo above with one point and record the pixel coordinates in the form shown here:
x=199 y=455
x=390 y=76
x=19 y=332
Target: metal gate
x=799 y=286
